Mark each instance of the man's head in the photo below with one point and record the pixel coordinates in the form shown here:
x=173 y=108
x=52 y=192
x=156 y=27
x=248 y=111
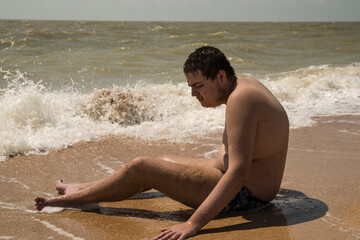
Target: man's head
x=209 y=60
x=209 y=63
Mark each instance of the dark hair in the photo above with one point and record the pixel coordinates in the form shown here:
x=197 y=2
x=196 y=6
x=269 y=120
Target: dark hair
x=209 y=60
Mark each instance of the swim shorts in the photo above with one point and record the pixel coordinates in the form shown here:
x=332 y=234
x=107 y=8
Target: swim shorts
x=245 y=201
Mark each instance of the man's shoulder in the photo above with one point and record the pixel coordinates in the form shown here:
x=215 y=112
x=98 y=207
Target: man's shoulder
x=247 y=91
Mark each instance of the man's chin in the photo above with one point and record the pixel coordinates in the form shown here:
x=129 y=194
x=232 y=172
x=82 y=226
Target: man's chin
x=206 y=105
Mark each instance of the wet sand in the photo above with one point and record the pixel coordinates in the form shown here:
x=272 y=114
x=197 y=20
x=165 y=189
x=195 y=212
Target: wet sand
x=319 y=196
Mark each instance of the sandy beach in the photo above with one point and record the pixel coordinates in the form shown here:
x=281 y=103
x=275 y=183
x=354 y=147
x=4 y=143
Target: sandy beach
x=319 y=197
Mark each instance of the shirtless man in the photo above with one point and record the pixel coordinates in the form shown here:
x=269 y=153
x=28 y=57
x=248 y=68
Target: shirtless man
x=246 y=174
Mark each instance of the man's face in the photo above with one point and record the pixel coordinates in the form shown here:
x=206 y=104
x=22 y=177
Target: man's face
x=208 y=92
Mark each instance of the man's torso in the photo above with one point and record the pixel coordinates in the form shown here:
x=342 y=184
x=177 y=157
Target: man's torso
x=270 y=145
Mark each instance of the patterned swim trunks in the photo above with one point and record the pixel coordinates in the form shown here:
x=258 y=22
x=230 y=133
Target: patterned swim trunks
x=245 y=201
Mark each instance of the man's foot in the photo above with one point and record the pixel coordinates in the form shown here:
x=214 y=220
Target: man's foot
x=40 y=203
x=63 y=189
x=62 y=201
x=66 y=189
x=67 y=200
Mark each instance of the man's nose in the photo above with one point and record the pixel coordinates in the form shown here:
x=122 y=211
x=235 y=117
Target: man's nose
x=194 y=92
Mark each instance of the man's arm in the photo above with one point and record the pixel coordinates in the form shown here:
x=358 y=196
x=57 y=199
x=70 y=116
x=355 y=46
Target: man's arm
x=241 y=125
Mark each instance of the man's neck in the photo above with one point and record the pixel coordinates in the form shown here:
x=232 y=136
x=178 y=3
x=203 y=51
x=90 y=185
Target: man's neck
x=232 y=87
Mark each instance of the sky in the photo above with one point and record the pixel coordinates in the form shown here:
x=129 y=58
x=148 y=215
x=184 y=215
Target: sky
x=182 y=10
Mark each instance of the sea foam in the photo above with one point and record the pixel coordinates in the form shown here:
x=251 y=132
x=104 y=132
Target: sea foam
x=35 y=119
x=317 y=91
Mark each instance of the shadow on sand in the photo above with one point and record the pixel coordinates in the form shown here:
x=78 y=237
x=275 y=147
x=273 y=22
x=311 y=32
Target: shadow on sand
x=290 y=207
x=179 y=215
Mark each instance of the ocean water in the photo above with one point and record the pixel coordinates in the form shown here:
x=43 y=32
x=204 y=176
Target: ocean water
x=62 y=82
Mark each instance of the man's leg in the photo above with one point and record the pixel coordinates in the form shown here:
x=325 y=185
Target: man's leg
x=200 y=162
x=63 y=188
x=183 y=182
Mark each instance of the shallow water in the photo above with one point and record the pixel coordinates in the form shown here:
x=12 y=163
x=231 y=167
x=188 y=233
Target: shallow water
x=63 y=82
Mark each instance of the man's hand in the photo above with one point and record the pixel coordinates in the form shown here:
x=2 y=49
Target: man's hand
x=180 y=231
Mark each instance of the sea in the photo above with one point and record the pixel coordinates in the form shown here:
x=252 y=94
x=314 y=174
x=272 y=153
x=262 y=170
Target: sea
x=63 y=82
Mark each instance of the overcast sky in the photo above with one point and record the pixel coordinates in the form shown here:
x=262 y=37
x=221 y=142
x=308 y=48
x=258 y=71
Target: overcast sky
x=182 y=10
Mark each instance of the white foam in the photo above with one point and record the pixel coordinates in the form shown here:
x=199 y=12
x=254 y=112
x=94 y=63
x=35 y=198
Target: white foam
x=109 y=170
x=57 y=229
x=34 y=119
x=83 y=207
x=13 y=180
x=176 y=116
x=212 y=153
x=52 y=209
x=340 y=225
x=12 y=206
x=348 y=132
x=317 y=90
x=5 y=205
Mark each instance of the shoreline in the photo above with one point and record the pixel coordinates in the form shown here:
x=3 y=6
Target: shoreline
x=319 y=196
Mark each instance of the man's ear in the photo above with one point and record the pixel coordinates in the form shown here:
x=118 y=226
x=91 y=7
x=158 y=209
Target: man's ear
x=222 y=77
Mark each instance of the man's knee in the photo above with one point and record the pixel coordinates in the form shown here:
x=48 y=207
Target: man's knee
x=140 y=163
x=168 y=158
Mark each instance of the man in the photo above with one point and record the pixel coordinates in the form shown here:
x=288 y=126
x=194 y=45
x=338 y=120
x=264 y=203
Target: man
x=246 y=174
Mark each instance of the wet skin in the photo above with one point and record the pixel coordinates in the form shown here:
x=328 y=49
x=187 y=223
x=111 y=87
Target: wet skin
x=253 y=154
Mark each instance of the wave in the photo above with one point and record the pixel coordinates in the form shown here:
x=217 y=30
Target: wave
x=317 y=90
x=221 y=34
x=35 y=119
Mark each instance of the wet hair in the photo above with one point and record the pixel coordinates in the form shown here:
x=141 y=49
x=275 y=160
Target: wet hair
x=209 y=60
